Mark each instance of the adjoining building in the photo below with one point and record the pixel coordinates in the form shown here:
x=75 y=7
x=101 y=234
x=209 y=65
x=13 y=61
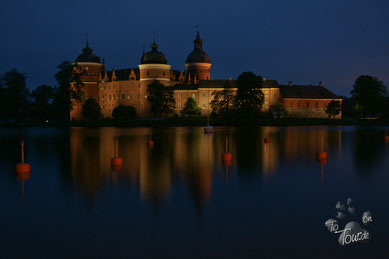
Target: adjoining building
x=129 y=86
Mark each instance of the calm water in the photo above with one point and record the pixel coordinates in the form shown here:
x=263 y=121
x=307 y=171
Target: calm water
x=179 y=200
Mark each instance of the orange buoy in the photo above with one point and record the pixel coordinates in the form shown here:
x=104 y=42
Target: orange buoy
x=227 y=156
x=116 y=160
x=23 y=168
x=266 y=140
x=321 y=155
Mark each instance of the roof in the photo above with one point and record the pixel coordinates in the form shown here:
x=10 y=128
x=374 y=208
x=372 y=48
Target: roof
x=221 y=83
x=154 y=56
x=123 y=74
x=88 y=56
x=198 y=55
x=306 y=91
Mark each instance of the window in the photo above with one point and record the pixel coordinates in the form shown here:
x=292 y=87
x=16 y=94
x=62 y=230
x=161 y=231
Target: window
x=148 y=73
x=138 y=96
x=291 y=104
x=179 y=105
x=194 y=96
x=114 y=96
x=204 y=94
x=211 y=93
x=316 y=105
x=324 y=105
x=132 y=78
x=131 y=87
x=307 y=104
x=123 y=96
x=203 y=105
x=275 y=95
x=163 y=73
x=179 y=96
x=298 y=104
x=109 y=97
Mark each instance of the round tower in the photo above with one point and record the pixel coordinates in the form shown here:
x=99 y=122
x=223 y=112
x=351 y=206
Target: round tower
x=90 y=67
x=198 y=63
x=153 y=67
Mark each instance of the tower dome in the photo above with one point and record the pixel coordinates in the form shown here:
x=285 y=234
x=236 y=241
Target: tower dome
x=198 y=55
x=154 y=56
x=198 y=64
x=87 y=55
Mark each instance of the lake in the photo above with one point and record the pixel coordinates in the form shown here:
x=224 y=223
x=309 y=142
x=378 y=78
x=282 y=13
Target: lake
x=179 y=199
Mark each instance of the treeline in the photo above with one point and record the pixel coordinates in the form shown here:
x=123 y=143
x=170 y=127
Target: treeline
x=18 y=103
x=369 y=99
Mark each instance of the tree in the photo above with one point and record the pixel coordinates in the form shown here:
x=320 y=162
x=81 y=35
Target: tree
x=42 y=98
x=191 y=109
x=161 y=98
x=122 y=112
x=15 y=93
x=223 y=102
x=333 y=108
x=278 y=110
x=91 y=109
x=369 y=94
x=249 y=97
x=69 y=89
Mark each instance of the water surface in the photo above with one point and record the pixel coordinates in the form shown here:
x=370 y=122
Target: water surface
x=179 y=200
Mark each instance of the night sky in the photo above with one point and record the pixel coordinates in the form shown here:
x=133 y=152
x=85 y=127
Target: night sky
x=305 y=42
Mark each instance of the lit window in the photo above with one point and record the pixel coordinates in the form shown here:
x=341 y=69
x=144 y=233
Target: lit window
x=193 y=96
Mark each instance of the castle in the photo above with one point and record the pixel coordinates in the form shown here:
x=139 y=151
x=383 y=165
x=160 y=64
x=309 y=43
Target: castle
x=129 y=86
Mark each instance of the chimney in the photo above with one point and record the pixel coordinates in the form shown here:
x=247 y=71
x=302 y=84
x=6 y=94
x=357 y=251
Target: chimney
x=290 y=83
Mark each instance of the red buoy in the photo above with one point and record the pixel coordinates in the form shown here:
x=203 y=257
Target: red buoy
x=321 y=155
x=116 y=160
x=23 y=168
x=266 y=140
x=226 y=157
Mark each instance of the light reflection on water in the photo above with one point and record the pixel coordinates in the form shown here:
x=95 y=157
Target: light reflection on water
x=180 y=191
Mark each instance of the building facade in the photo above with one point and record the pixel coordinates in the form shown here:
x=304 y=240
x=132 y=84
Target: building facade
x=129 y=86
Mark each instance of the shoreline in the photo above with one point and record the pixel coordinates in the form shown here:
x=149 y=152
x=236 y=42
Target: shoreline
x=198 y=122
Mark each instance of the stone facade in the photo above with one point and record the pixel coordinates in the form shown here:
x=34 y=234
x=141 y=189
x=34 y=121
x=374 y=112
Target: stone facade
x=129 y=86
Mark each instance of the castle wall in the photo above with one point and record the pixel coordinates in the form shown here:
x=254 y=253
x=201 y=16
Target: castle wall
x=308 y=108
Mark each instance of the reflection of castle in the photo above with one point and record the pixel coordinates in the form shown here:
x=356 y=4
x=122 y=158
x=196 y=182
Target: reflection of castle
x=128 y=86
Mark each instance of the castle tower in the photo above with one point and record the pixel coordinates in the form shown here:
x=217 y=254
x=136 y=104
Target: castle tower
x=153 y=67
x=198 y=63
x=90 y=68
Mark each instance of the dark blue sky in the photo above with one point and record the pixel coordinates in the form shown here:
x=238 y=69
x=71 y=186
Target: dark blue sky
x=305 y=41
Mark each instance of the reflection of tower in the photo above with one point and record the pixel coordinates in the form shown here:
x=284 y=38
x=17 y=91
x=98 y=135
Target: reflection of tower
x=198 y=65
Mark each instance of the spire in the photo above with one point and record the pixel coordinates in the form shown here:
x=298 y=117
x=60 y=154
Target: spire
x=198 y=43
x=87 y=49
